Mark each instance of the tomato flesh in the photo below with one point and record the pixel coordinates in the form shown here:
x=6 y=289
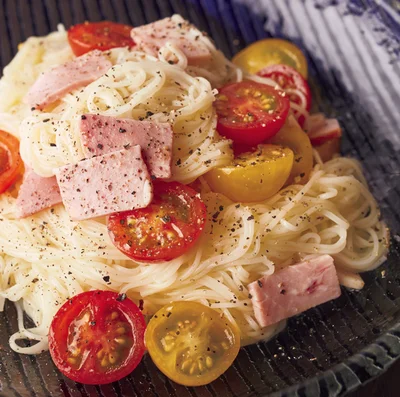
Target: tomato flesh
x=101 y=36
x=289 y=80
x=10 y=160
x=97 y=337
x=165 y=229
x=191 y=343
x=250 y=112
x=293 y=137
x=253 y=176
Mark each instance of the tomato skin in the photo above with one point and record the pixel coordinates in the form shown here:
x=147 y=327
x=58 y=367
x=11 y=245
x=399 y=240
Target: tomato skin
x=101 y=36
x=253 y=176
x=164 y=230
x=293 y=137
x=10 y=160
x=290 y=79
x=97 y=333
x=186 y=335
x=250 y=112
x=267 y=52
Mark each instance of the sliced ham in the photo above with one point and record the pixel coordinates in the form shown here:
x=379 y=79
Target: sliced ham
x=36 y=194
x=53 y=84
x=315 y=121
x=321 y=129
x=102 y=185
x=103 y=134
x=294 y=289
x=177 y=31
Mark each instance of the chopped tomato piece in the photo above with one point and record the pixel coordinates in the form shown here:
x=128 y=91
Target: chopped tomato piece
x=293 y=83
x=250 y=112
x=268 y=52
x=101 y=36
x=165 y=229
x=253 y=176
x=191 y=343
x=10 y=160
x=97 y=337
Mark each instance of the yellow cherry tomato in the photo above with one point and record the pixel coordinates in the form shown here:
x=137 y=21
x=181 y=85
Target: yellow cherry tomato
x=253 y=176
x=191 y=343
x=328 y=149
x=292 y=136
x=268 y=52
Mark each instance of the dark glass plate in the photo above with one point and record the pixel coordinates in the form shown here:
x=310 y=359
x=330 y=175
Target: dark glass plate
x=353 y=50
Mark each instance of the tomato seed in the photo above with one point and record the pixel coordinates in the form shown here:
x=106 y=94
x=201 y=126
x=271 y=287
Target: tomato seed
x=121 y=341
x=186 y=364
x=193 y=369
x=75 y=353
x=201 y=366
x=100 y=354
x=114 y=315
x=104 y=362
x=169 y=347
x=113 y=358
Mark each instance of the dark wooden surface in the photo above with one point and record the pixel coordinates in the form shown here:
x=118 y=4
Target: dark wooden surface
x=387 y=385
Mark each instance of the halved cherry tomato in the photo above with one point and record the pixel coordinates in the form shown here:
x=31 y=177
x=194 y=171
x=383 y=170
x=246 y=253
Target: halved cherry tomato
x=165 y=229
x=239 y=149
x=293 y=137
x=101 y=36
x=328 y=149
x=97 y=337
x=253 y=176
x=10 y=160
x=267 y=52
x=250 y=112
x=191 y=343
x=291 y=81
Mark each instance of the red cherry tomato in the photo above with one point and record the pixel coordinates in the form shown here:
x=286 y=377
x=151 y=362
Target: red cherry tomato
x=101 y=36
x=10 y=160
x=239 y=149
x=290 y=79
x=97 y=337
x=250 y=112
x=165 y=229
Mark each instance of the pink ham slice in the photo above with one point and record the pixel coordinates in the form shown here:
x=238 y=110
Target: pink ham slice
x=36 y=194
x=55 y=83
x=102 y=185
x=294 y=289
x=321 y=129
x=103 y=134
x=175 y=30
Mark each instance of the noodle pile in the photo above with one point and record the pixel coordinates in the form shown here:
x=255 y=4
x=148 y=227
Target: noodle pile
x=47 y=258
